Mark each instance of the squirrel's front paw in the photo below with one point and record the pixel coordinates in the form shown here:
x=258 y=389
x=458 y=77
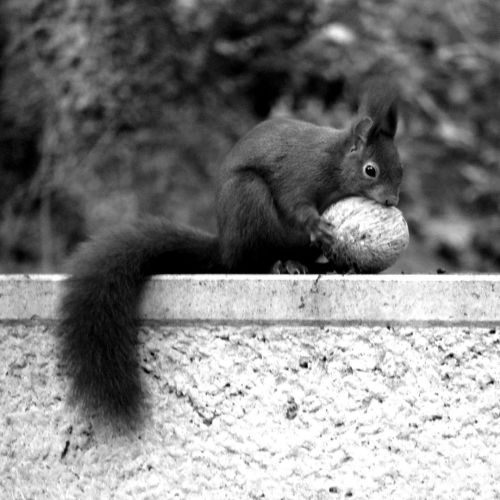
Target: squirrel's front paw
x=324 y=233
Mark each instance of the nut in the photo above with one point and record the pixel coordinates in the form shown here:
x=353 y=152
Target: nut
x=371 y=236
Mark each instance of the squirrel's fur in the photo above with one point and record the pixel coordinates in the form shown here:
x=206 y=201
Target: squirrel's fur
x=273 y=186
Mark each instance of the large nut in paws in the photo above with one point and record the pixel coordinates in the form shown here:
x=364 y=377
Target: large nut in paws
x=371 y=236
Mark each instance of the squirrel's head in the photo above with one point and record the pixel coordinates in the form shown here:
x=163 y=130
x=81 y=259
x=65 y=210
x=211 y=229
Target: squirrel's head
x=371 y=166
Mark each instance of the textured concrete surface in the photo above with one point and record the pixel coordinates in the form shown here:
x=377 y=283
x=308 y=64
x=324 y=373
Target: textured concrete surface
x=275 y=412
x=333 y=299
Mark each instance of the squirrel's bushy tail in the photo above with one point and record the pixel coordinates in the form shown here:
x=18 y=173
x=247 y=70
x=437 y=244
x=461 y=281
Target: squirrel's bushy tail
x=98 y=327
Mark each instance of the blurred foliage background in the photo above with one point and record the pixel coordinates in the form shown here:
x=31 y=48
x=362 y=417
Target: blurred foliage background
x=113 y=109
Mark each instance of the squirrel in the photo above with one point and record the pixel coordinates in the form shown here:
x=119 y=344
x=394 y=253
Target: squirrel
x=273 y=186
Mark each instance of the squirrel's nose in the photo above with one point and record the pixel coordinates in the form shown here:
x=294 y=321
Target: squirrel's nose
x=392 y=201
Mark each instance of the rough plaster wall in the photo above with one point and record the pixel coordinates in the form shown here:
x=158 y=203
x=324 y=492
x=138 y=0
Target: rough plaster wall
x=267 y=413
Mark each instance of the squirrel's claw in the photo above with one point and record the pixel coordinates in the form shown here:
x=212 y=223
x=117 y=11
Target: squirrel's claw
x=289 y=267
x=324 y=234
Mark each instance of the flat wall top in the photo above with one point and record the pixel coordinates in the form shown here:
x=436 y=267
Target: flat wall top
x=332 y=299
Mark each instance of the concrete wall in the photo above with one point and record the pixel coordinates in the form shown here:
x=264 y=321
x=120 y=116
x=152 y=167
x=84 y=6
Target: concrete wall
x=364 y=387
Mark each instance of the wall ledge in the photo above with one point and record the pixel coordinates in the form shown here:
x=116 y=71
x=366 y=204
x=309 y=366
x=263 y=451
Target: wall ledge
x=332 y=299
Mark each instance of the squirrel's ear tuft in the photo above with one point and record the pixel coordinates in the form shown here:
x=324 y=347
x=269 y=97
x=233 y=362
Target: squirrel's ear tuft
x=379 y=102
x=389 y=121
x=360 y=131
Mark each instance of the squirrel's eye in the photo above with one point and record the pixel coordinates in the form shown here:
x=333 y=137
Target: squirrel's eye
x=371 y=170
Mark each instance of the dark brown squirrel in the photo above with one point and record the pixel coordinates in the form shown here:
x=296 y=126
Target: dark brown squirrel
x=273 y=186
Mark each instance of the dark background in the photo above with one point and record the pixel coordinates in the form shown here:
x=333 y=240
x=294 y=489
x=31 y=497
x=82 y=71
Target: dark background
x=110 y=110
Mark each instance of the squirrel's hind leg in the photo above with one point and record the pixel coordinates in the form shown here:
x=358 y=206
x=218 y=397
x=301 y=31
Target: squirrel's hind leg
x=253 y=235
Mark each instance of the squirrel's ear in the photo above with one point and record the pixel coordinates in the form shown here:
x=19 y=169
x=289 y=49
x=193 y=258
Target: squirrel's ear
x=360 y=131
x=379 y=102
x=389 y=122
